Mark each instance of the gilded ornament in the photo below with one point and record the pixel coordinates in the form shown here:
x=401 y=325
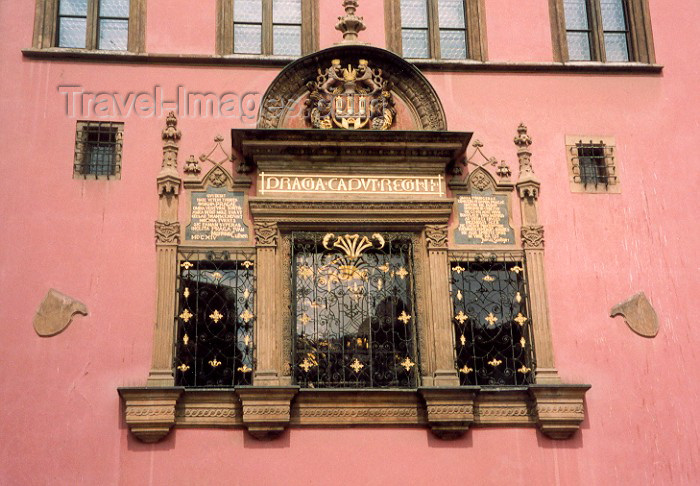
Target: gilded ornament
x=463 y=340
x=246 y=294
x=305 y=319
x=245 y=369
x=186 y=292
x=216 y=316
x=217 y=275
x=458 y=269
x=401 y=273
x=524 y=369
x=488 y=278
x=384 y=268
x=465 y=369
x=356 y=365
x=491 y=319
x=520 y=319
x=495 y=362
x=461 y=317
x=183 y=367
x=305 y=271
x=518 y=297
x=404 y=317
x=459 y=295
x=246 y=315
x=187 y=265
x=407 y=364
x=215 y=363
x=186 y=315
x=522 y=342
x=516 y=269
x=247 y=264
x=185 y=339
x=353 y=245
x=306 y=365
x=246 y=340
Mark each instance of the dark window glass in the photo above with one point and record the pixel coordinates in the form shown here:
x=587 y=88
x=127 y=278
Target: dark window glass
x=215 y=320
x=354 y=312
x=592 y=164
x=98 y=149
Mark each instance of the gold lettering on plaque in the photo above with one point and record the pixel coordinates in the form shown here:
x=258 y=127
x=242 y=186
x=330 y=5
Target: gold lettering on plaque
x=353 y=184
x=217 y=216
x=481 y=219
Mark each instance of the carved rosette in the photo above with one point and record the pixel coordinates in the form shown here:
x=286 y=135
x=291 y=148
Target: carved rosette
x=150 y=413
x=532 y=237
x=266 y=233
x=436 y=236
x=167 y=232
x=559 y=408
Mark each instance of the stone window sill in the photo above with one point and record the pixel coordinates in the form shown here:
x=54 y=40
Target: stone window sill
x=64 y=54
x=557 y=410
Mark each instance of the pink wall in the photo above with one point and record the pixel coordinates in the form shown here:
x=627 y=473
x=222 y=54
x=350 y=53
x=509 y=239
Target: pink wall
x=60 y=418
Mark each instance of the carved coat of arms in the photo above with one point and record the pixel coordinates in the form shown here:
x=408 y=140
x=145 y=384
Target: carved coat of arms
x=350 y=98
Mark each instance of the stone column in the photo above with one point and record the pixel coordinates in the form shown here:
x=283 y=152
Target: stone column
x=167 y=230
x=267 y=336
x=532 y=236
x=445 y=373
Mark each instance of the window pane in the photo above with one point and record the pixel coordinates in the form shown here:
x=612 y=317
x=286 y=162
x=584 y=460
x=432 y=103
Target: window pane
x=451 y=14
x=613 y=15
x=576 y=14
x=247 y=39
x=114 y=8
x=415 y=44
x=453 y=44
x=616 y=47
x=247 y=11
x=286 y=40
x=414 y=13
x=286 y=11
x=73 y=7
x=579 y=46
x=71 y=32
x=114 y=35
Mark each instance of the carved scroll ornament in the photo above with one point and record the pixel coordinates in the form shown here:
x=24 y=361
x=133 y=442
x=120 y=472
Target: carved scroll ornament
x=167 y=232
x=266 y=233
x=436 y=235
x=532 y=236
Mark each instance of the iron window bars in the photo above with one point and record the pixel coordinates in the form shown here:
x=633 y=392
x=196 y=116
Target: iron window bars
x=98 y=149
x=215 y=319
x=493 y=342
x=593 y=164
x=353 y=309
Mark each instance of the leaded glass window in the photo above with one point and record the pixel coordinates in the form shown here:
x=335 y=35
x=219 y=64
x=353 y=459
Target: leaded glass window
x=267 y=27
x=247 y=26
x=597 y=30
x=491 y=320
x=434 y=28
x=353 y=310
x=215 y=319
x=93 y=24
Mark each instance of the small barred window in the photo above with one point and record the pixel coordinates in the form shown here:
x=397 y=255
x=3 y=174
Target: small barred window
x=592 y=164
x=215 y=316
x=491 y=322
x=354 y=310
x=98 y=150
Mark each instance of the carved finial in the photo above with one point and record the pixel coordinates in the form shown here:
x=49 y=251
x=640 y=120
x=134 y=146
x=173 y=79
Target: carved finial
x=170 y=132
x=503 y=170
x=523 y=141
x=192 y=166
x=350 y=24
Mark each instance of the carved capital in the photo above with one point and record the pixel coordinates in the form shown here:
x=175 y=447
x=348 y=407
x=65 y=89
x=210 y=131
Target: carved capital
x=150 y=412
x=529 y=189
x=266 y=233
x=436 y=236
x=167 y=232
x=450 y=410
x=266 y=410
x=532 y=236
x=558 y=408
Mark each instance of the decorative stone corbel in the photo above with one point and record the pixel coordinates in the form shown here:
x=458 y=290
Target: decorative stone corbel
x=266 y=409
x=450 y=410
x=150 y=413
x=559 y=409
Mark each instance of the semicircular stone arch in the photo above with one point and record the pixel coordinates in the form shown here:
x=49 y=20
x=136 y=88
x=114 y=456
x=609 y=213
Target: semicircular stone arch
x=418 y=105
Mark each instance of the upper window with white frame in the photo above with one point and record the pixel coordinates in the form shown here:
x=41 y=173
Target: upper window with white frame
x=436 y=29
x=267 y=27
x=602 y=30
x=108 y=25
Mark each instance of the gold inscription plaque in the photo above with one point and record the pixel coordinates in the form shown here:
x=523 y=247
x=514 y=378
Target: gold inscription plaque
x=483 y=219
x=217 y=216
x=352 y=184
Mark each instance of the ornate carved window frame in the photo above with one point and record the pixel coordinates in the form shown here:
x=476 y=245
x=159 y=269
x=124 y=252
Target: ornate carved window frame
x=475 y=20
x=576 y=184
x=640 y=42
x=224 y=28
x=46 y=18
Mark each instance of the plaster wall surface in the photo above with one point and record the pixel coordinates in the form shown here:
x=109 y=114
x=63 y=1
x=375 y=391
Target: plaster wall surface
x=61 y=418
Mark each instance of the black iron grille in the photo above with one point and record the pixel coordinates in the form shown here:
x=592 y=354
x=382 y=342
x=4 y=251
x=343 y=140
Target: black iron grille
x=592 y=163
x=215 y=319
x=353 y=310
x=491 y=322
x=98 y=149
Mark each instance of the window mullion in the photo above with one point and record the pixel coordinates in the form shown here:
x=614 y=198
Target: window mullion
x=92 y=21
x=433 y=30
x=596 y=25
x=267 y=27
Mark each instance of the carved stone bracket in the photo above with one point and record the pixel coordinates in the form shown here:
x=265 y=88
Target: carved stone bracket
x=150 y=412
x=436 y=236
x=167 y=232
x=450 y=410
x=532 y=236
x=266 y=233
x=559 y=409
x=266 y=410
